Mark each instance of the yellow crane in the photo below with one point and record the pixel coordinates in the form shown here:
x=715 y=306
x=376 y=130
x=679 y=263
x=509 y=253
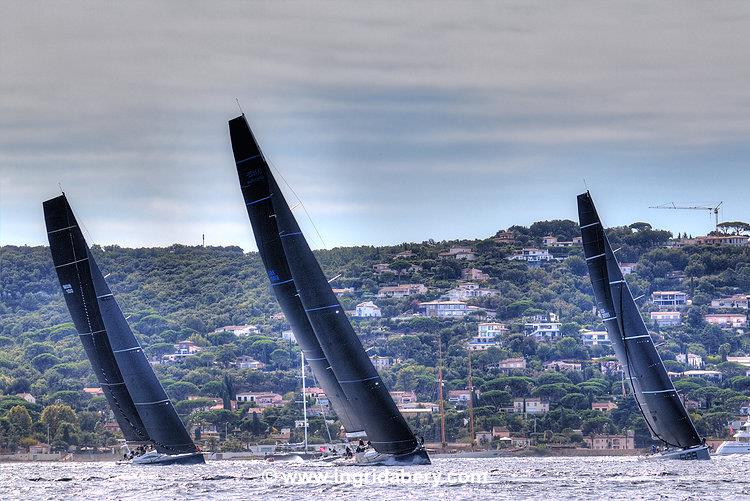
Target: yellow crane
x=672 y=205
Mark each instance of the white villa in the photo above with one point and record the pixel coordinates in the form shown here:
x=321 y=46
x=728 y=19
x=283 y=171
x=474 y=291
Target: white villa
x=367 y=309
x=532 y=255
x=543 y=330
x=594 y=338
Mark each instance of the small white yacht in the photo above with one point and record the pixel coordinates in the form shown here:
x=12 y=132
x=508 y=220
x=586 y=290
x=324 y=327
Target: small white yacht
x=739 y=446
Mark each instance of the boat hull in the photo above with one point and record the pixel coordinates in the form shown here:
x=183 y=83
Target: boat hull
x=734 y=447
x=372 y=458
x=691 y=454
x=167 y=459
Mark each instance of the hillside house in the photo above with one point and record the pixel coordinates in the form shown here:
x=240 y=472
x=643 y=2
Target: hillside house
x=666 y=318
x=666 y=299
x=542 y=330
x=594 y=338
x=367 y=309
x=403 y=290
x=727 y=320
x=738 y=301
x=444 y=309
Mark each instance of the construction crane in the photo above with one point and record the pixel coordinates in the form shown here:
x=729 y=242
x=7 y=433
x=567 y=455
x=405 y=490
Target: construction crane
x=672 y=205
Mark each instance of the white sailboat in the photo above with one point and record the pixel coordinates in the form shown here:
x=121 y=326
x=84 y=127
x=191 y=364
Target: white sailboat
x=739 y=446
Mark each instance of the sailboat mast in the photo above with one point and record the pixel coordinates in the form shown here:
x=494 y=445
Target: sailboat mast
x=304 y=396
x=441 y=402
x=472 y=436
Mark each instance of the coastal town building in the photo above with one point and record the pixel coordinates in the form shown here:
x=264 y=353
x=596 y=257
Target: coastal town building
x=666 y=299
x=603 y=406
x=727 y=320
x=542 y=330
x=469 y=290
x=381 y=362
x=404 y=254
x=27 y=396
x=182 y=349
x=690 y=359
x=594 y=338
x=474 y=274
x=382 y=268
x=403 y=397
x=239 y=330
x=248 y=362
x=739 y=360
x=461 y=253
x=733 y=240
x=345 y=291
x=628 y=268
x=738 y=301
x=288 y=335
x=261 y=399
x=611 y=442
x=530 y=406
x=532 y=255
x=562 y=365
x=403 y=290
x=666 y=318
x=505 y=237
x=552 y=241
x=512 y=364
x=487 y=335
x=367 y=309
x=460 y=398
x=444 y=309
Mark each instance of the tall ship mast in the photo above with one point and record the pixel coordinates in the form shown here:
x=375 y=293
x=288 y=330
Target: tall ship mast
x=141 y=407
x=366 y=400
x=656 y=396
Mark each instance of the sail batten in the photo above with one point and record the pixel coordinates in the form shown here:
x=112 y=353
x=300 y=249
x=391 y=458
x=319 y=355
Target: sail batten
x=654 y=392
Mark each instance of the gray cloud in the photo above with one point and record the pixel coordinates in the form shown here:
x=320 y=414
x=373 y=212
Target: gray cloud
x=393 y=121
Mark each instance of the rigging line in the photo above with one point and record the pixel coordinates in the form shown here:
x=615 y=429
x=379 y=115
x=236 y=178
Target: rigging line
x=299 y=200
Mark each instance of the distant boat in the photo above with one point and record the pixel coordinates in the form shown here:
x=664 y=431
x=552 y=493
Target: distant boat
x=331 y=347
x=656 y=396
x=141 y=406
x=739 y=446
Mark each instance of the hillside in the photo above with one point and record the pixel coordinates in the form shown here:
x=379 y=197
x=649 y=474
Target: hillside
x=186 y=293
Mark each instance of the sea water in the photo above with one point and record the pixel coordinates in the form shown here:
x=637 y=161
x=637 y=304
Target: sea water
x=608 y=478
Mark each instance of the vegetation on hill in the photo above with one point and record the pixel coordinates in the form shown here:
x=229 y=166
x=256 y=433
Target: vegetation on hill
x=178 y=293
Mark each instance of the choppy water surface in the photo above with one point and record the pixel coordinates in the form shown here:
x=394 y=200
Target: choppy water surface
x=496 y=478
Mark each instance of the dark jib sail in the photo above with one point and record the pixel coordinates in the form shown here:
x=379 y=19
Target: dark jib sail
x=138 y=401
x=254 y=185
x=367 y=395
x=70 y=257
x=654 y=392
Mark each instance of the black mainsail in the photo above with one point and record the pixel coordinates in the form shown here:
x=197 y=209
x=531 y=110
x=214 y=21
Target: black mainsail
x=252 y=169
x=94 y=308
x=365 y=391
x=654 y=392
x=70 y=256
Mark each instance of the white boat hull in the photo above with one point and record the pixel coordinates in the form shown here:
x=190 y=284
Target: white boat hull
x=734 y=447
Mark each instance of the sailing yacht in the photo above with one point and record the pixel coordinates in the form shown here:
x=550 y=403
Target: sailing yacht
x=656 y=396
x=140 y=405
x=739 y=446
x=325 y=335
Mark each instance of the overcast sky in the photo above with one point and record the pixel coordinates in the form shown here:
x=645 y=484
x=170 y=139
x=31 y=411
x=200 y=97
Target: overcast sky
x=392 y=122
